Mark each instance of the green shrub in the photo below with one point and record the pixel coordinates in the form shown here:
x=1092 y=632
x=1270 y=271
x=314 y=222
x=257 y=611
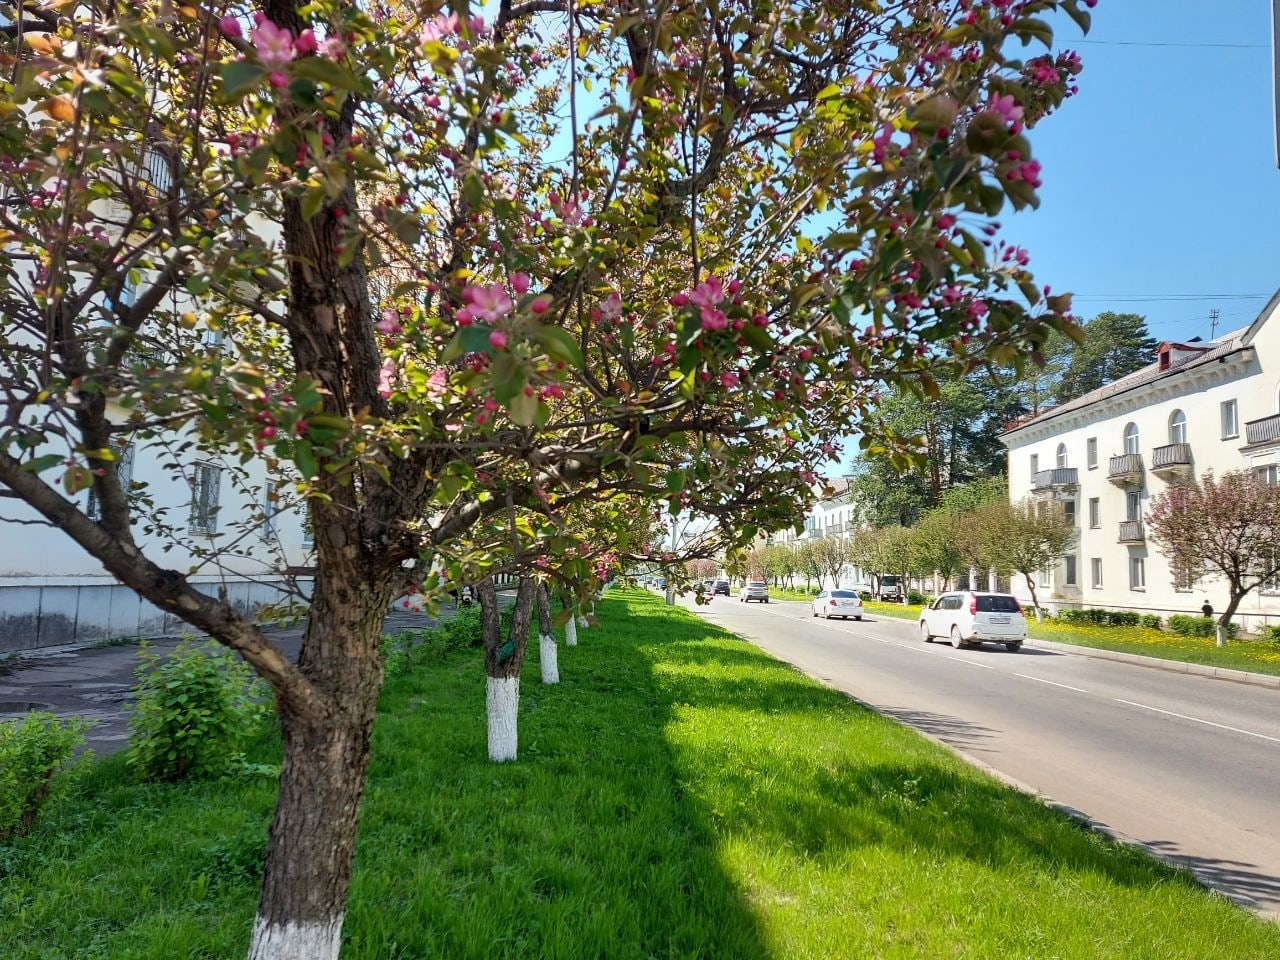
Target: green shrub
x=34 y=756
x=1103 y=618
x=1152 y=621
x=1271 y=633
x=404 y=650
x=194 y=710
x=915 y=598
x=1185 y=625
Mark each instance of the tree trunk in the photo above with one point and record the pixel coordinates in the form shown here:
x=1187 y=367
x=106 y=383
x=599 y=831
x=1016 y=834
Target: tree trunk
x=1034 y=602
x=312 y=842
x=1220 y=635
x=548 y=657
x=502 y=664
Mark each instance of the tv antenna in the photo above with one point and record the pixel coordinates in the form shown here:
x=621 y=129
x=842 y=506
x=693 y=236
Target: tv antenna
x=1213 y=323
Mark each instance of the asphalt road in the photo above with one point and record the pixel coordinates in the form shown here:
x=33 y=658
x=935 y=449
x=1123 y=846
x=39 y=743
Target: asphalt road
x=1188 y=766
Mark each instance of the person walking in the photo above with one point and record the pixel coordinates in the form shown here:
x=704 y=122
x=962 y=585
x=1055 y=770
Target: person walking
x=1207 y=609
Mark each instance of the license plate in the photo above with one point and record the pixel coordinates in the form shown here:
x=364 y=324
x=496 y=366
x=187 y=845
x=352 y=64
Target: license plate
x=999 y=619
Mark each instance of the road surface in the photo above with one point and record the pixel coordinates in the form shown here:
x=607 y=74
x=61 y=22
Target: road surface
x=1188 y=766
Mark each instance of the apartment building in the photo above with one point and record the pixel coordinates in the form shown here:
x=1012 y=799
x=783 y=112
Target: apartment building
x=1197 y=407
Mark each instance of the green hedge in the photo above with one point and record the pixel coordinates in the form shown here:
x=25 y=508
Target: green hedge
x=1185 y=625
x=1107 y=618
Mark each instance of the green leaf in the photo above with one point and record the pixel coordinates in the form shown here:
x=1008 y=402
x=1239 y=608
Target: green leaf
x=305 y=459
x=524 y=408
x=42 y=463
x=560 y=345
x=238 y=76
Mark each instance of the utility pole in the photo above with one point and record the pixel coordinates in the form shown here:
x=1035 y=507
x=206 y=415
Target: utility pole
x=1213 y=323
x=671 y=588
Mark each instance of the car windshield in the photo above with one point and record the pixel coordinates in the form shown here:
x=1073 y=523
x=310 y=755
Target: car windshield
x=844 y=594
x=997 y=604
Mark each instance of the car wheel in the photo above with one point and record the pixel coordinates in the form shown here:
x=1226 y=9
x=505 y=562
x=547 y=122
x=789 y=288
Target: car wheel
x=815 y=612
x=859 y=619
x=957 y=641
x=1013 y=647
x=925 y=635
x=766 y=599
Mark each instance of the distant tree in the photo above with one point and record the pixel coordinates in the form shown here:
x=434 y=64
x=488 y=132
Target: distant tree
x=1114 y=344
x=1227 y=527
x=833 y=555
x=809 y=561
x=1023 y=537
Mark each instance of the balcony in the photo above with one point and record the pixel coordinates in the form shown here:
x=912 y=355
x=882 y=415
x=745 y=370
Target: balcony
x=1057 y=480
x=1126 y=470
x=1131 y=531
x=1171 y=461
x=1266 y=430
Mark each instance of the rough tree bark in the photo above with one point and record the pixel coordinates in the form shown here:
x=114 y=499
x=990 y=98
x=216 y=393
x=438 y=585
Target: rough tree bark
x=548 y=654
x=502 y=663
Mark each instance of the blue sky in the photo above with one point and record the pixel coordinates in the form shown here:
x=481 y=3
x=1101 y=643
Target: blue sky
x=1160 y=177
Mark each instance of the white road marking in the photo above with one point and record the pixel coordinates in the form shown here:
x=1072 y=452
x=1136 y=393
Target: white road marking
x=972 y=663
x=1055 y=683
x=1208 y=723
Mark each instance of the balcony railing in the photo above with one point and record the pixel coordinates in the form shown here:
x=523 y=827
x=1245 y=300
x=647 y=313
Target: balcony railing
x=1131 y=531
x=1059 y=478
x=1125 y=470
x=1171 y=459
x=1264 y=430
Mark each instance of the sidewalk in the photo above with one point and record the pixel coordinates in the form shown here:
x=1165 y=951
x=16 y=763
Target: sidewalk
x=1157 y=663
x=95 y=682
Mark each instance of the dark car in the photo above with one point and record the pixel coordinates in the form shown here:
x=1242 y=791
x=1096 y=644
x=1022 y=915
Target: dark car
x=720 y=589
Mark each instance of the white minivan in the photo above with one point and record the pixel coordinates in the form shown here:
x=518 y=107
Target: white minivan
x=975 y=617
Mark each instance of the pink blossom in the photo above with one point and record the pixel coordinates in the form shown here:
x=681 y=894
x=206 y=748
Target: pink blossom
x=1030 y=172
x=464 y=317
x=489 y=303
x=437 y=384
x=306 y=43
x=978 y=309
x=611 y=306
x=713 y=319
x=1007 y=107
x=498 y=340
x=230 y=27
x=679 y=300
x=274 y=44
x=439 y=28
x=881 y=141
x=709 y=293
x=390 y=322
x=520 y=283
x=333 y=48
x=728 y=379
x=478 y=27
x=540 y=305
x=277 y=79
x=385 y=376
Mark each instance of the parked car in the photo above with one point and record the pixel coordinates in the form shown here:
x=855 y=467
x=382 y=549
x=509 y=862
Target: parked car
x=890 y=590
x=837 y=603
x=720 y=589
x=754 y=590
x=975 y=617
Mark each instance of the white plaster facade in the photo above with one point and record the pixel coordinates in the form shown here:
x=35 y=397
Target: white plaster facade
x=1198 y=407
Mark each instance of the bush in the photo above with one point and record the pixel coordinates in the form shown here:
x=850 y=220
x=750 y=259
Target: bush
x=194 y=710
x=1103 y=618
x=1185 y=625
x=1271 y=633
x=402 y=651
x=1152 y=622
x=34 y=755
x=915 y=598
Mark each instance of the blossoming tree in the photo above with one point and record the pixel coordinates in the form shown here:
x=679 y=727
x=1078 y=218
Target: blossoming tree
x=469 y=267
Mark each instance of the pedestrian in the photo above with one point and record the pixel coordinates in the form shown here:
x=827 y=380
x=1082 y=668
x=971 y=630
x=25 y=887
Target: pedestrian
x=1207 y=609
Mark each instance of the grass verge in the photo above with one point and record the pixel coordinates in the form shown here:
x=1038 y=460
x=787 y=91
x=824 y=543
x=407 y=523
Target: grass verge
x=680 y=794
x=1257 y=656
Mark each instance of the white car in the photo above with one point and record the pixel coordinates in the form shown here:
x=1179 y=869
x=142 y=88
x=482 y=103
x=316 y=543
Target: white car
x=754 y=590
x=837 y=603
x=974 y=617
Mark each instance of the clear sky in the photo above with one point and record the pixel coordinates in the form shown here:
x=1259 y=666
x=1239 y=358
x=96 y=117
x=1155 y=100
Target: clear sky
x=1161 y=194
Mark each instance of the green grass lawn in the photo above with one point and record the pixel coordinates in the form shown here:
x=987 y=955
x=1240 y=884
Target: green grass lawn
x=1258 y=656
x=680 y=795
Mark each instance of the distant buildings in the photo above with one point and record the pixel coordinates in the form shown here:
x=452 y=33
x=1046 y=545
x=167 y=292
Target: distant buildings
x=1196 y=407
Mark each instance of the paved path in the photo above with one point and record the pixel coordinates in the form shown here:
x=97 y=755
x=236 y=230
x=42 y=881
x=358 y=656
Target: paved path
x=95 y=682
x=1188 y=766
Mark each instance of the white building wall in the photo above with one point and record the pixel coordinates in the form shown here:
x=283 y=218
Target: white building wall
x=1249 y=378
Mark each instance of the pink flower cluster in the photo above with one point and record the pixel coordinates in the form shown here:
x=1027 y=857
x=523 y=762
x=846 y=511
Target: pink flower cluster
x=276 y=46
x=707 y=297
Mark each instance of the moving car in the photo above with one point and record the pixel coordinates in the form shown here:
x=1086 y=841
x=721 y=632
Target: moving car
x=969 y=617
x=754 y=590
x=837 y=603
x=721 y=588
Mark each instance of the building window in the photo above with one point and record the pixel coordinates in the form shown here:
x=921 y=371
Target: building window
x=1272 y=584
x=1269 y=475
x=1095 y=567
x=1091 y=453
x=1178 y=427
x=1035 y=464
x=1095 y=514
x=1043 y=578
x=1062 y=455
x=1131 y=438
x=1070 y=578
x=1182 y=582
x=1230 y=419
x=124 y=474
x=1069 y=512
x=1137 y=573
x=206 y=479
x=1133 y=505
x=270 y=511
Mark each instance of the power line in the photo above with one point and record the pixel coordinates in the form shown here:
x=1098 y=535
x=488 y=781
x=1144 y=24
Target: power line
x=1153 y=43
x=1169 y=297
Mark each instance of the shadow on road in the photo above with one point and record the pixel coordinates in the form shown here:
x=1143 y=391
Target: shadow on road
x=1232 y=875
x=953 y=730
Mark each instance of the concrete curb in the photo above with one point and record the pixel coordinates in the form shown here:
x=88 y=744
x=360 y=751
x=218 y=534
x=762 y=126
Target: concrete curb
x=1156 y=663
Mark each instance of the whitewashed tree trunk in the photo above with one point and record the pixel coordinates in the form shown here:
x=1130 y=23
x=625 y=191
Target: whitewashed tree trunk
x=306 y=940
x=582 y=618
x=571 y=632
x=548 y=656
x=502 y=702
